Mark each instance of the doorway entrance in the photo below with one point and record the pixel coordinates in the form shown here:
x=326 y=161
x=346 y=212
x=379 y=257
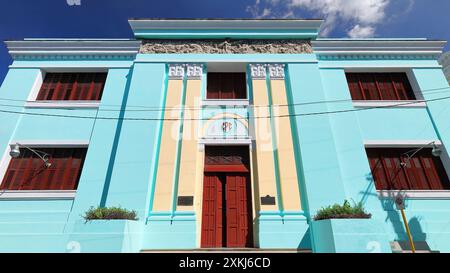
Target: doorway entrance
x=227 y=201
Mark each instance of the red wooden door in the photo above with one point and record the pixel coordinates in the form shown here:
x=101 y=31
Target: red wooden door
x=227 y=207
x=238 y=211
x=212 y=224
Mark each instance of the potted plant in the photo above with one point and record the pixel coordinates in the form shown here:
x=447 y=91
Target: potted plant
x=113 y=229
x=112 y=213
x=348 y=228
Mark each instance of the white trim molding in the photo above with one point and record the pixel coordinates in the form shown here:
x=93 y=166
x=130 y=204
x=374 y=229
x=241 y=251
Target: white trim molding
x=62 y=104
x=224 y=24
x=53 y=143
x=38 y=194
x=382 y=48
x=400 y=143
x=413 y=194
x=202 y=142
x=389 y=103
x=225 y=141
x=73 y=47
x=225 y=102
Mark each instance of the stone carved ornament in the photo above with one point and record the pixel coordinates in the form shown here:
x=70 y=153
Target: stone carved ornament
x=226 y=46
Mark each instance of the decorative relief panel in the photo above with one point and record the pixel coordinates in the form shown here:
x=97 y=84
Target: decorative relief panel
x=226 y=46
x=276 y=71
x=194 y=71
x=176 y=71
x=258 y=71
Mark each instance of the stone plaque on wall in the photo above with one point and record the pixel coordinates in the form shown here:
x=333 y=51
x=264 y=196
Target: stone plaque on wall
x=226 y=46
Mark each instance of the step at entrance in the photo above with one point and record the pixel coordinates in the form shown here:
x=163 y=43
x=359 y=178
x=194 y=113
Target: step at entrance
x=227 y=250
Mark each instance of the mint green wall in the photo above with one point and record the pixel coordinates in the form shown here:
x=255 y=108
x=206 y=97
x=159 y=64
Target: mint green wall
x=121 y=160
x=349 y=131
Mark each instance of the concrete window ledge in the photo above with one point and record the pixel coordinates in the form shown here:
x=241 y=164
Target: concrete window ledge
x=38 y=194
x=62 y=104
x=390 y=103
x=225 y=102
x=415 y=194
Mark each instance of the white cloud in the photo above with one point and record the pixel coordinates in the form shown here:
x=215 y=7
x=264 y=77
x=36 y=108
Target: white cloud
x=361 y=32
x=362 y=11
x=363 y=16
x=73 y=2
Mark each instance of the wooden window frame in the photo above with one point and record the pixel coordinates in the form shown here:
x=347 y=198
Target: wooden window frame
x=39 y=194
x=398 y=96
x=409 y=174
x=90 y=86
x=234 y=98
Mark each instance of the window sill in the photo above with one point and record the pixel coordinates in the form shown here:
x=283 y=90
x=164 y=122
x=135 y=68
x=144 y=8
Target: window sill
x=390 y=103
x=413 y=194
x=38 y=194
x=231 y=103
x=62 y=104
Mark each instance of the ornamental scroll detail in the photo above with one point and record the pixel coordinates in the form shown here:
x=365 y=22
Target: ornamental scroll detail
x=226 y=46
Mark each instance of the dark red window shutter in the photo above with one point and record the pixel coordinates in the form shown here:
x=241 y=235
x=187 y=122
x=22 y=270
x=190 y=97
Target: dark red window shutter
x=226 y=86
x=72 y=86
x=27 y=172
x=422 y=171
x=380 y=86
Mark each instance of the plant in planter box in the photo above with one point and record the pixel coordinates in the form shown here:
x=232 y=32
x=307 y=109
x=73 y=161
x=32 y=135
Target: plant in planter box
x=111 y=213
x=345 y=211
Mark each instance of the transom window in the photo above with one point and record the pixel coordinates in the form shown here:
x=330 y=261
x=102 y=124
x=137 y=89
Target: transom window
x=226 y=86
x=72 y=86
x=422 y=172
x=28 y=171
x=380 y=86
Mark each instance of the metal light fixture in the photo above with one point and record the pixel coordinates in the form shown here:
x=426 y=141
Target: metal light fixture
x=399 y=200
x=15 y=153
x=437 y=151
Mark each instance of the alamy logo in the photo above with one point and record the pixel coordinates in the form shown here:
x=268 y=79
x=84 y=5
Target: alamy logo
x=73 y=2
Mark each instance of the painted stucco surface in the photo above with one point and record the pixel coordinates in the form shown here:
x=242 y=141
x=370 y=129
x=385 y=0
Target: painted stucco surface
x=312 y=157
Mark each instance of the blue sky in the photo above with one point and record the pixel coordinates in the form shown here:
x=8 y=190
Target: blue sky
x=108 y=18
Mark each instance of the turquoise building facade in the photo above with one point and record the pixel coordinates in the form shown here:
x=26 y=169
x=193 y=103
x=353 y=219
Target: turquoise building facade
x=149 y=83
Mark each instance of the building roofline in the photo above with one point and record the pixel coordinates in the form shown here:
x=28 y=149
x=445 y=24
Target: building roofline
x=225 y=28
x=398 y=46
x=225 y=19
x=166 y=24
x=72 y=47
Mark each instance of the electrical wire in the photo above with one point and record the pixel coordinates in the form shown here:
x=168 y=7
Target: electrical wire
x=251 y=117
x=160 y=109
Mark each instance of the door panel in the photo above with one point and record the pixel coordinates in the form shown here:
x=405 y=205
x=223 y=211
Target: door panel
x=212 y=226
x=227 y=206
x=239 y=208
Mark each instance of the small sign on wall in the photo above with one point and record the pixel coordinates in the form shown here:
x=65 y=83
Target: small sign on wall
x=185 y=201
x=268 y=200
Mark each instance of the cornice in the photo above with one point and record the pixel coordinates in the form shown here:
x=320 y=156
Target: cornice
x=225 y=29
x=444 y=60
x=253 y=24
x=73 y=49
x=369 y=49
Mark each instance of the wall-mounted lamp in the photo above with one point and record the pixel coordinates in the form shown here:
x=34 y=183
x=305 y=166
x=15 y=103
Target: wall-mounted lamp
x=437 y=151
x=15 y=153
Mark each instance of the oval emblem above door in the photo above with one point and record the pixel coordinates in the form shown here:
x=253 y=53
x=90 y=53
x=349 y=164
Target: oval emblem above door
x=226 y=126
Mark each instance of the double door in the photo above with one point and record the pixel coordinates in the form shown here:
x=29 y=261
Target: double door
x=227 y=210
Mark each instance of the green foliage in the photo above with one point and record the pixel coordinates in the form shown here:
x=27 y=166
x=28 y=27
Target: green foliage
x=111 y=213
x=345 y=211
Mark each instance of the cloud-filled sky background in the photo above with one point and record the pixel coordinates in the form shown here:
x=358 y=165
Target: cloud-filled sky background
x=108 y=18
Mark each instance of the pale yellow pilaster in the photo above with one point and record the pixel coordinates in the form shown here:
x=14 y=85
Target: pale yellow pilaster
x=262 y=156
x=190 y=154
x=286 y=159
x=164 y=179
